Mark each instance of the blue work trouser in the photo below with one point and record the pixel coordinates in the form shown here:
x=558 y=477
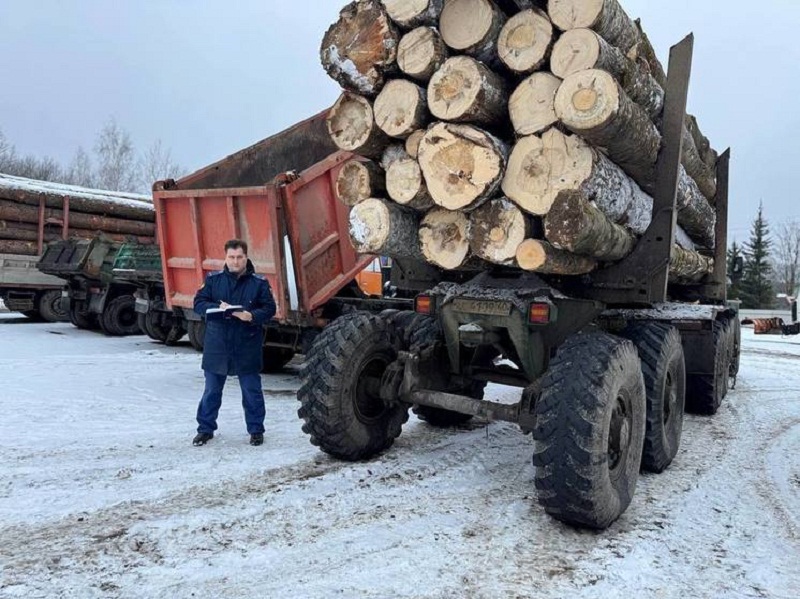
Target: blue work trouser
x=252 y=402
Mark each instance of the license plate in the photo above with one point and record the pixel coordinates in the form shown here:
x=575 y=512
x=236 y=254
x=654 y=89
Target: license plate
x=485 y=307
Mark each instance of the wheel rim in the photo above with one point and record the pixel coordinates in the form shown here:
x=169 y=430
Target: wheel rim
x=368 y=405
x=127 y=317
x=619 y=435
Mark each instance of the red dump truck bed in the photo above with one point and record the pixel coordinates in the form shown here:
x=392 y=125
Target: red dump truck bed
x=296 y=230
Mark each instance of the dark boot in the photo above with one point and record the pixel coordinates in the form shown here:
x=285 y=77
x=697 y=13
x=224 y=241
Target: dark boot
x=256 y=439
x=202 y=439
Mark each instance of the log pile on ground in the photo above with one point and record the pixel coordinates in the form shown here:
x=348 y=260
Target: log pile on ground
x=78 y=211
x=523 y=134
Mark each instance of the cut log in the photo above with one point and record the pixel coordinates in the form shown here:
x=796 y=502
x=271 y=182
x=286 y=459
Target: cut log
x=351 y=125
x=592 y=104
x=401 y=108
x=444 y=238
x=413 y=13
x=385 y=229
x=405 y=185
x=496 y=230
x=643 y=52
x=695 y=166
x=582 y=49
x=21 y=248
x=30 y=232
x=707 y=153
x=412 y=143
x=576 y=225
x=12 y=211
x=542 y=257
x=606 y=17
x=391 y=154
x=465 y=90
x=686 y=267
x=421 y=53
x=361 y=47
x=472 y=27
x=462 y=165
x=359 y=180
x=525 y=41
x=532 y=105
x=695 y=214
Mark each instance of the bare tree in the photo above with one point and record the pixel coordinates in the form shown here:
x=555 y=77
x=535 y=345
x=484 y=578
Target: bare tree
x=157 y=164
x=6 y=152
x=80 y=171
x=787 y=257
x=116 y=159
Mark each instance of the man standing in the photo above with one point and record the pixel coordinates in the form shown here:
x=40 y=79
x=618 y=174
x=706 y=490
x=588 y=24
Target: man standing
x=233 y=346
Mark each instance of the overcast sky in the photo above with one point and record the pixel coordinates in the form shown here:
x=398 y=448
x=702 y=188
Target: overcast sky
x=211 y=77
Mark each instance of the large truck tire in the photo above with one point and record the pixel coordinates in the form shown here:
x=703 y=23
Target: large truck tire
x=151 y=326
x=196 y=330
x=339 y=392
x=705 y=392
x=49 y=306
x=664 y=370
x=119 y=317
x=589 y=433
x=735 y=328
x=80 y=317
x=275 y=358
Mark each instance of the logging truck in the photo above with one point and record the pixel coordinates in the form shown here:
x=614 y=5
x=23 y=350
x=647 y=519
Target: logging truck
x=596 y=283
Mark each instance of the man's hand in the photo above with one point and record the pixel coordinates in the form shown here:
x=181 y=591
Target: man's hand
x=224 y=305
x=244 y=316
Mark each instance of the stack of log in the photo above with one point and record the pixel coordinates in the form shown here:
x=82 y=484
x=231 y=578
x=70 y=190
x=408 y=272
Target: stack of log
x=520 y=133
x=25 y=204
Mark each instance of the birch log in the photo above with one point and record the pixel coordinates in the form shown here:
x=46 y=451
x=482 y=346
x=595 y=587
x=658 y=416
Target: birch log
x=464 y=90
x=351 y=125
x=472 y=27
x=359 y=180
x=385 y=229
x=688 y=267
x=412 y=143
x=413 y=13
x=606 y=17
x=707 y=153
x=361 y=47
x=444 y=238
x=421 y=53
x=695 y=214
x=540 y=256
x=532 y=105
x=525 y=41
x=462 y=165
x=405 y=185
x=496 y=230
x=401 y=108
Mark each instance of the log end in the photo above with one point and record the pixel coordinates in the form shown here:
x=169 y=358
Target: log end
x=350 y=122
x=370 y=226
x=532 y=105
x=444 y=238
x=588 y=100
x=576 y=50
x=525 y=41
x=572 y=14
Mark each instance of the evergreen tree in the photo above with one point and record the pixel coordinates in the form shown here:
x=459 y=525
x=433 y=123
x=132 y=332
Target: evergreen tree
x=734 y=280
x=756 y=288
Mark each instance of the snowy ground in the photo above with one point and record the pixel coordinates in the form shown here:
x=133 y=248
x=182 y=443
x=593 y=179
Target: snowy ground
x=102 y=494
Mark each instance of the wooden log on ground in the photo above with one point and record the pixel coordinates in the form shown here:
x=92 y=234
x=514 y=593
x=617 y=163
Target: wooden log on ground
x=405 y=185
x=412 y=143
x=532 y=105
x=421 y=53
x=496 y=230
x=462 y=165
x=385 y=229
x=401 y=108
x=472 y=27
x=409 y=14
x=22 y=248
x=352 y=127
x=444 y=238
x=592 y=104
x=525 y=41
x=361 y=47
x=582 y=49
x=464 y=90
x=606 y=17
x=688 y=267
x=359 y=180
x=12 y=211
x=540 y=256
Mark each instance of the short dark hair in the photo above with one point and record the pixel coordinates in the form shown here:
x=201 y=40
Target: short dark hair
x=235 y=244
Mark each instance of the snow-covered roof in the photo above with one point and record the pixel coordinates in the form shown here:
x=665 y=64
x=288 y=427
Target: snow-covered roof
x=34 y=187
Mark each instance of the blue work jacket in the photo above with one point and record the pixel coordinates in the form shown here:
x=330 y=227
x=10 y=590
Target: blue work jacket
x=231 y=346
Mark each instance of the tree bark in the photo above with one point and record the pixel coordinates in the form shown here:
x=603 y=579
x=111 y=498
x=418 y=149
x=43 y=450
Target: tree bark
x=643 y=52
x=412 y=143
x=695 y=166
x=421 y=53
x=606 y=17
x=496 y=230
x=11 y=211
x=462 y=165
x=401 y=108
x=409 y=14
x=359 y=180
x=688 y=267
x=444 y=238
x=382 y=228
x=464 y=90
x=21 y=248
x=525 y=41
x=695 y=214
x=391 y=154
x=707 y=153
x=361 y=47
x=405 y=185
x=532 y=105
x=540 y=256
x=351 y=125
x=472 y=27
x=592 y=104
